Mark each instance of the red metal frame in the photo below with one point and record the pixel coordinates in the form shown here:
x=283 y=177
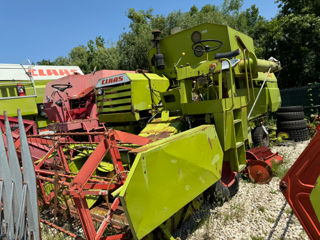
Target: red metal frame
x=30 y=126
x=84 y=183
x=298 y=184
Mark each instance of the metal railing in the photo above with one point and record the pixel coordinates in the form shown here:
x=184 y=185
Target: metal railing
x=18 y=192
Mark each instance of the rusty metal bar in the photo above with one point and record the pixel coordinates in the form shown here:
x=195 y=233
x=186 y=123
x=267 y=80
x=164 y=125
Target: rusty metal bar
x=58 y=228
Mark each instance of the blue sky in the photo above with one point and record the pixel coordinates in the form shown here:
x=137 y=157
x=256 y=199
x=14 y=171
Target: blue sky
x=39 y=30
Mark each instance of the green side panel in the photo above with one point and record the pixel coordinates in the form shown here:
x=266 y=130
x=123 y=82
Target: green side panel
x=114 y=102
x=225 y=130
x=261 y=107
x=315 y=198
x=122 y=103
x=117 y=108
x=269 y=99
x=40 y=88
x=212 y=106
x=171 y=100
x=141 y=96
x=118 y=88
x=118 y=95
x=10 y=90
x=234 y=44
x=28 y=106
x=274 y=93
x=168 y=174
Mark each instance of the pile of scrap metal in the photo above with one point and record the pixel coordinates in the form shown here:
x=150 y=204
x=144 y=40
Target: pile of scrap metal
x=133 y=155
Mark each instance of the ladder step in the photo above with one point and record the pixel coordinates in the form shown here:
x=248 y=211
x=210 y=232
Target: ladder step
x=236 y=121
x=239 y=144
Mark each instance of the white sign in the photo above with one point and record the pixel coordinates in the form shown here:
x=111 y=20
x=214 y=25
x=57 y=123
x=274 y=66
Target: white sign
x=109 y=81
x=38 y=72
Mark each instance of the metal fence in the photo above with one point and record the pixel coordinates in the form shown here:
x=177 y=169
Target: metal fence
x=19 y=217
x=307 y=96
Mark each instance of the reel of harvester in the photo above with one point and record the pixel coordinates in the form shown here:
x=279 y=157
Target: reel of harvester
x=82 y=179
x=110 y=184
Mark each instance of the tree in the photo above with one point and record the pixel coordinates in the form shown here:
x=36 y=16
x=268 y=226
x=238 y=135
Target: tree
x=45 y=62
x=79 y=56
x=101 y=57
x=294 y=40
x=299 y=7
x=134 y=45
x=62 y=61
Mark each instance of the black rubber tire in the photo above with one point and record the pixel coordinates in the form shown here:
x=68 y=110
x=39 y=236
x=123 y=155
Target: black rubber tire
x=219 y=193
x=299 y=135
x=291 y=109
x=234 y=188
x=291 y=125
x=260 y=137
x=289 y=116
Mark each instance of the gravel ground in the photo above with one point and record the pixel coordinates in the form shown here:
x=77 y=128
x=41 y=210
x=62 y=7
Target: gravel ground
x=256 y=212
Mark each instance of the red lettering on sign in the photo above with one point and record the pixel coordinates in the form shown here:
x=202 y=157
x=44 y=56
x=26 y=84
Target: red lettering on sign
x=32 y=71
x=41 y=72
x=112 y=80
x=63 y=72
x=51 y=72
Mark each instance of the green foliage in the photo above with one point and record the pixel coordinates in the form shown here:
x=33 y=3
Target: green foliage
x=294 y=40
x=279 y=170
x=299 y=7
x=45 y=62
x=79 y=56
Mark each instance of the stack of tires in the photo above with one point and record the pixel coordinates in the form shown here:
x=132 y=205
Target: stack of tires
x=291 y=120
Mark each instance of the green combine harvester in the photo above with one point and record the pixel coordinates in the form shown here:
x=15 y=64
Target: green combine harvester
x=166 y=140
x=206 y=86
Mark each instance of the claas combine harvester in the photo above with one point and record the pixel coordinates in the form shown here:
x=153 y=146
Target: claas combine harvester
x=168 y=139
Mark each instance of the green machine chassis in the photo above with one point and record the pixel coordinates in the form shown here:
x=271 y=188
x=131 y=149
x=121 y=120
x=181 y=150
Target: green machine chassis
x=198 y=120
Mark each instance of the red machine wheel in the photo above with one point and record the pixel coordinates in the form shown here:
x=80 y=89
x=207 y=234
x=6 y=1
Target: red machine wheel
x=259 y=172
